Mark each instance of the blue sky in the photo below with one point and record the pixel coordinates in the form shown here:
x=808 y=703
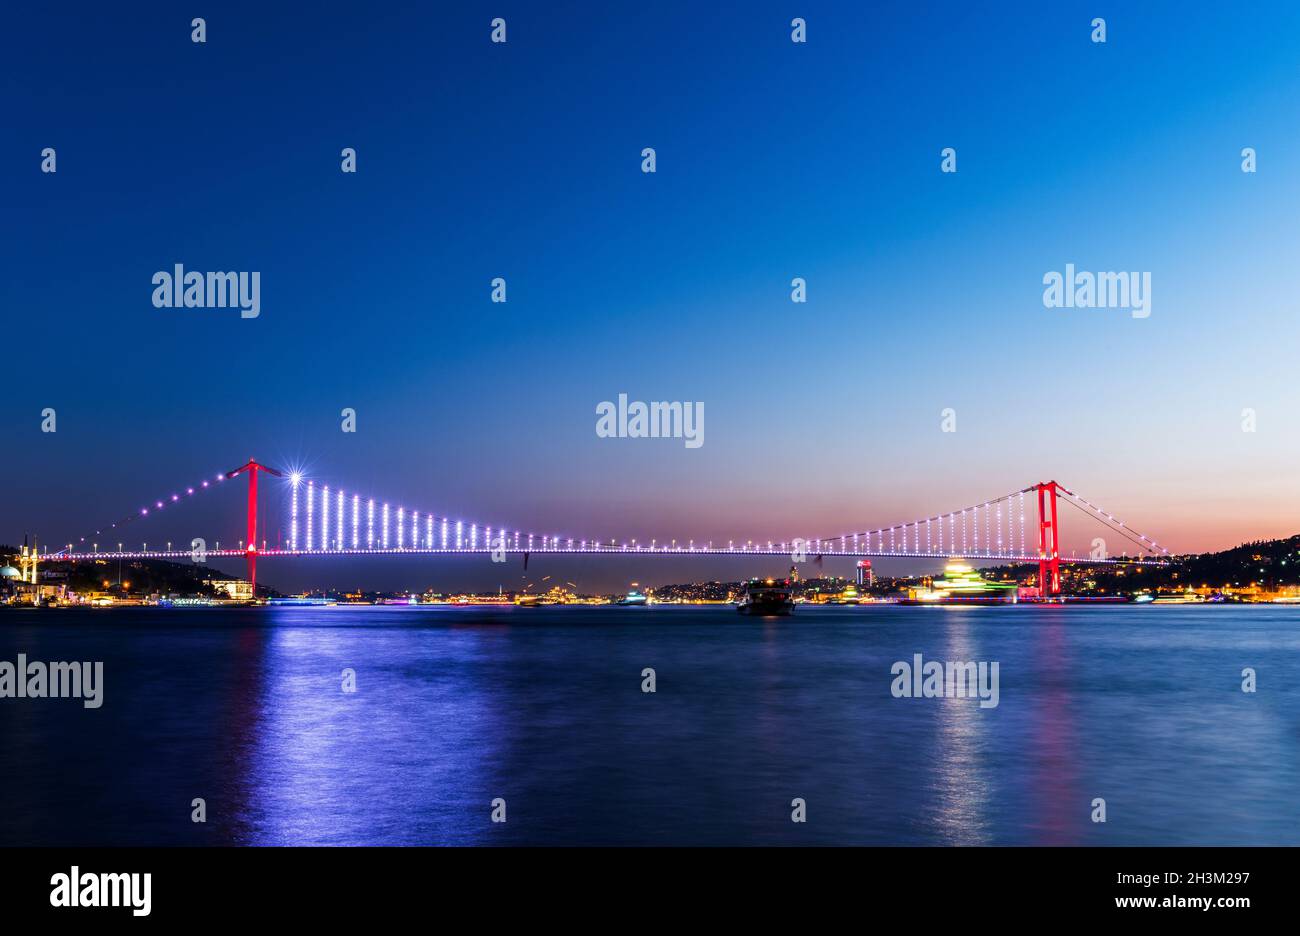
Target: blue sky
x=775 y=160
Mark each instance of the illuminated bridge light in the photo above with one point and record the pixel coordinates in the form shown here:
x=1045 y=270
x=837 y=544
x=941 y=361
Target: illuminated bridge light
x=428 y=534
x=325 y=517
x=310 y=499
x=383 y=533
x=444 y=534
x=400 y=517
x=473 y=536
x=356 y=516
x=370 y=524
x=415 y=529
x=460 y=538
x=1022 y=523
x=293 y=515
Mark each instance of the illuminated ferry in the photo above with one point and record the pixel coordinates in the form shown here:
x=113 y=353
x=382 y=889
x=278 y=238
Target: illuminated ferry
x=962 y=585
x=633 y=597
x=849 y=596
x=1180 y=598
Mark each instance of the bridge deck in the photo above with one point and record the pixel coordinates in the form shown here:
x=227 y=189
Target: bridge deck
x=678 y=551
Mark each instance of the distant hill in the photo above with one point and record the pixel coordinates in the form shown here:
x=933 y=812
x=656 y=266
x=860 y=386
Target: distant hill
x=1266 y=562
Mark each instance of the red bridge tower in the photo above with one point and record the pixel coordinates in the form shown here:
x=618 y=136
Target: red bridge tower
x=1049 y=544
x=250 y=551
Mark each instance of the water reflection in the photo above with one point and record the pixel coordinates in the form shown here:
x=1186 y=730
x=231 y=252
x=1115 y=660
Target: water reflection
x=418 y=726
x=243 y=697
x=961 y=814
x=1059 y=808
x=544 y=708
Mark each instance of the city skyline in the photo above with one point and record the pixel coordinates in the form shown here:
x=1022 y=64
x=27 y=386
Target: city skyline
x=775 y=160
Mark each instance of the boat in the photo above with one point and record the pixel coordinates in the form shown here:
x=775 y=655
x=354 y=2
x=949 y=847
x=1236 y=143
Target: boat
x=962 y=585
x=849 y=596
x=766 y=598
x=633 y=597
x=1179 y=598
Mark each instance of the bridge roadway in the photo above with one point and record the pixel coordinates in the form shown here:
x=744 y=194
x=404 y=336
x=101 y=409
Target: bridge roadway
x=638 y=550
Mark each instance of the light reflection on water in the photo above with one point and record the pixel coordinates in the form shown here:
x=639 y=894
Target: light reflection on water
x=543 y=707
x=961 y=815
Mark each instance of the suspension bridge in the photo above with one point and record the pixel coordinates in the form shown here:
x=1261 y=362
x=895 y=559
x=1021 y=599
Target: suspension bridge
x=329 y=520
